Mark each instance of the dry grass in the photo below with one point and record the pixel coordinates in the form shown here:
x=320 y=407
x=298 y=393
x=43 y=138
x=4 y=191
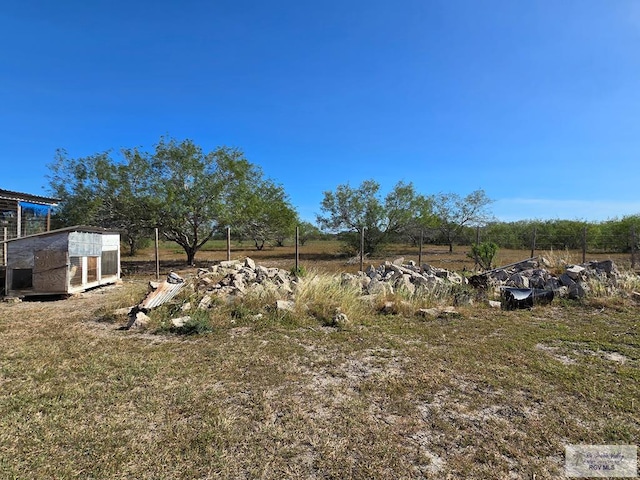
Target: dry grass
x=326 y=257
x=482 y=394
x=485 y=394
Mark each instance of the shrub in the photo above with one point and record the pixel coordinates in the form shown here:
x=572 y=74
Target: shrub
x=200 y=323
x=483 y=254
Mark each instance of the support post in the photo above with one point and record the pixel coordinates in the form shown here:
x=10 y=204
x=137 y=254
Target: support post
x=533 y=243
x=297 y=254
x=362 y=249
x=633 y=247
x=19 y=221
x=157 y=242
x=5 y=237
x=228 y=244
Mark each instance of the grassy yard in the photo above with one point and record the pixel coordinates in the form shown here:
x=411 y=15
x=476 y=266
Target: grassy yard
x=480 y=394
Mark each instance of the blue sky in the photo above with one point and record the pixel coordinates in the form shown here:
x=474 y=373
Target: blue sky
x=536 y=102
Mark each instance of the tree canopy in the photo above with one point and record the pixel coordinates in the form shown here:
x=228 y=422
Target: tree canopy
x=455 y=212
x=352 y=209
x=186 y=193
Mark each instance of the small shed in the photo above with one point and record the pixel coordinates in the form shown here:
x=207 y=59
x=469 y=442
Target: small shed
x=64 y=261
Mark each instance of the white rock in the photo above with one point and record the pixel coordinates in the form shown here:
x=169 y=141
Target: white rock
x=285 y=305
x=141 y=321
x=180 y=321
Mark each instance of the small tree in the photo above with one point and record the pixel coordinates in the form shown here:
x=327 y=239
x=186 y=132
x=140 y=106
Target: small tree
x=349 y=210
x=307 y=231
x=483 y=254
x=262 y=212
x=455 y=212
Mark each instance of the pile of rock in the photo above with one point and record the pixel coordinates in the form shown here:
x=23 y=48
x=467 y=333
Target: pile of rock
x=534 y=273
x=241 y=277
x=398 y=276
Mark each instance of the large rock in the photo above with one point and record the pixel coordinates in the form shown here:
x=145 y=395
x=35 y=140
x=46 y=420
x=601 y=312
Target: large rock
x=518 y=280
x=500 y=275
x=285 y=305
x=377 y=287
x=249 y=263
x=566 y=280
x=141 y=321
x=180 y=321
x=578 y=290
x=575 y=271
x=404 y=284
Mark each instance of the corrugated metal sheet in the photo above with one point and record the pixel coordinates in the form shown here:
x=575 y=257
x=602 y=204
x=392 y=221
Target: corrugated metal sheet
x=165 y=292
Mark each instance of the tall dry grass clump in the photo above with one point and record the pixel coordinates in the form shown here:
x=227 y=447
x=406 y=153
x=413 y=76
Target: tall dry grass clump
x=324 y=297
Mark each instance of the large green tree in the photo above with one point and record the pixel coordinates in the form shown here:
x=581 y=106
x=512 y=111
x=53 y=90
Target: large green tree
x=263 y=212
x=349 y=210
x=201 y=192
x=187 y=193
x=96 y=190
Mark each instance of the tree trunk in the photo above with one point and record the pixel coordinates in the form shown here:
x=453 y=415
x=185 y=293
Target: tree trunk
x=191 y=255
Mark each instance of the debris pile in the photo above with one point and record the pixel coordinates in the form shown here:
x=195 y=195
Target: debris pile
x=241 y=277
x=533 y=274
x=398 y=276
x=519 y=285
x=160 y=293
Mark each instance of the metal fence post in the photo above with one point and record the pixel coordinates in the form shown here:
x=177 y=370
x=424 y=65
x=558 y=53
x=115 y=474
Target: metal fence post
x=297 y=255
x=157 y=256
x=633 y=247
x=362 y=249
x=533 y=242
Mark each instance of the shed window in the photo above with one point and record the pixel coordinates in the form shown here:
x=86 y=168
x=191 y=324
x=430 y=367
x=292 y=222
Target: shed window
x=109 y=263
x=76 y=271
x=21 y=279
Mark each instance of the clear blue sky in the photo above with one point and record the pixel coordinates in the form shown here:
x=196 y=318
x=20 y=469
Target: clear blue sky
x=536 y=102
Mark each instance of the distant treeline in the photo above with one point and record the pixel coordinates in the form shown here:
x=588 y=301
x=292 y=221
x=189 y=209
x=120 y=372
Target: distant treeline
x=608 y=236
x=615 y=235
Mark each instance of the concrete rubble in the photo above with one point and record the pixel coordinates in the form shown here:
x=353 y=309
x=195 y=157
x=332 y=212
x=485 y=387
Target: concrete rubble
x=399 y=276
x=242 y=277
x=160 y=293
x=519 y=284
x=534 y=273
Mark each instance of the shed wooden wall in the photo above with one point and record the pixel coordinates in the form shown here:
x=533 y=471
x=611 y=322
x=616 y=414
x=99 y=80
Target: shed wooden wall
x=64 y=262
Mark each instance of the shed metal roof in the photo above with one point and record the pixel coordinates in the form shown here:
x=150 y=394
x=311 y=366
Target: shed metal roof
x=29 y=198
x=75 y=228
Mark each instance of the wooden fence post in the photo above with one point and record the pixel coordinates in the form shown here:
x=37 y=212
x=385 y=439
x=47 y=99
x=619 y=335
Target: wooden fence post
x=228 y=244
